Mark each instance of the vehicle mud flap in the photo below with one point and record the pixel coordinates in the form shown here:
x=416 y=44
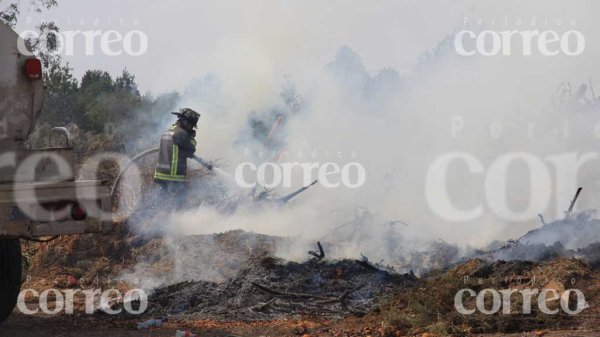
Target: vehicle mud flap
x=10 y=275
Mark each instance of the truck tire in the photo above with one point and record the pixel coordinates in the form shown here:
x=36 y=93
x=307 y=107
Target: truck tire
x=10 y=275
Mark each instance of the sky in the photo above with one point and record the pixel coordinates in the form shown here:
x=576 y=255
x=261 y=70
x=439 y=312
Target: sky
x=189 y=38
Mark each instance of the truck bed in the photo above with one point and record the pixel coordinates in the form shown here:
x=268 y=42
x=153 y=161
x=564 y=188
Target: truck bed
x=15 y=221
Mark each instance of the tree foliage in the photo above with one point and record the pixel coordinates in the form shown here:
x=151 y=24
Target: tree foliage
x=103 y=104
x=98 y=103
x=10 y=10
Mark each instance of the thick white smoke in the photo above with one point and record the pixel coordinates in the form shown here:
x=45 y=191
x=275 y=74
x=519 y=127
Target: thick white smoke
x=399 y=123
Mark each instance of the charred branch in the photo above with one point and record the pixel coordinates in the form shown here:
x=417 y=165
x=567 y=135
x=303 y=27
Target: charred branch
x=320 y=255
x=288 y=294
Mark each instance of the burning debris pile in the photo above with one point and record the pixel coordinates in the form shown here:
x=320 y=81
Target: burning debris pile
x=573 y=237
x=577 y=235
x=216 y=258
x=386 y=242
x=271 y=288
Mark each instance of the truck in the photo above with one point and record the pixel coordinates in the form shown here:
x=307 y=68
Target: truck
x=39 y=195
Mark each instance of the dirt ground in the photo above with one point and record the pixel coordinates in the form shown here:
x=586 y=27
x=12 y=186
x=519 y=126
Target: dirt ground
x=20 y=325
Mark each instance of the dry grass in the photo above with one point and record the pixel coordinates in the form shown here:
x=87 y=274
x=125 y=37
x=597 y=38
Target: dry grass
x=429 y=307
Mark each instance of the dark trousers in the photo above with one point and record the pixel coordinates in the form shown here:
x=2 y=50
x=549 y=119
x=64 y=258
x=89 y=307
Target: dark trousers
x=175 y=191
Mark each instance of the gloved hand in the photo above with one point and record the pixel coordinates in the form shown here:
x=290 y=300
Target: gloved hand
x=209 y=166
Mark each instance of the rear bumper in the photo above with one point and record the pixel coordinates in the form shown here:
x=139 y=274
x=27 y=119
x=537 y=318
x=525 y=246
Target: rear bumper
x=92 y=196
x=37 y=229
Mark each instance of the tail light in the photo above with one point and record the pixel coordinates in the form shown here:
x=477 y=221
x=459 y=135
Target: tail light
x=78 y=213
x=33 y=69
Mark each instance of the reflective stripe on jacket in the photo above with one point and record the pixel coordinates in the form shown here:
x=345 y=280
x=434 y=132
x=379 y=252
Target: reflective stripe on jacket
x=176 y=145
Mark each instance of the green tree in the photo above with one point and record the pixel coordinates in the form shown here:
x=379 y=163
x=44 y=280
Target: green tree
x=96 y=89
x=60 y=97
x=10 y=10
x=105 y=101
x=126 y=83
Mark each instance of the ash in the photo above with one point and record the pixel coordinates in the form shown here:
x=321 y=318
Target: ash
x=272 y=288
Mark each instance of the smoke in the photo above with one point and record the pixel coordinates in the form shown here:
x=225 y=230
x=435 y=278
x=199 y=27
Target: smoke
x=397 y=124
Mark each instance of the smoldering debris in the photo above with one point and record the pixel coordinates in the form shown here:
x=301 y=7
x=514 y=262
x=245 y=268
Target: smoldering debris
x=574 y=232
x=272 y=288
x=237 y=275
x=394 y=248
x=577 y=235
x=215 y=258
x=220 y=257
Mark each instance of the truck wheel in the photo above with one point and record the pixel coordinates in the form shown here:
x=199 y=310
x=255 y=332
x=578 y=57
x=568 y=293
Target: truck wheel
x=10 y=275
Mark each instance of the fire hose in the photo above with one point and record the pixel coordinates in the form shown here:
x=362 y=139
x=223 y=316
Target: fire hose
x=140 y=156
x=283 y=200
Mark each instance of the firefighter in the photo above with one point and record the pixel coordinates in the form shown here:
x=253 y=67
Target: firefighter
x=177 y=144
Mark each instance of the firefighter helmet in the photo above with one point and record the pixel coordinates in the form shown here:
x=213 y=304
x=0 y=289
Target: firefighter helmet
x=188 y=115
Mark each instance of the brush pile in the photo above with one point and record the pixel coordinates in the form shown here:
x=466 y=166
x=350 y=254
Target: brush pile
x=271 y=288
